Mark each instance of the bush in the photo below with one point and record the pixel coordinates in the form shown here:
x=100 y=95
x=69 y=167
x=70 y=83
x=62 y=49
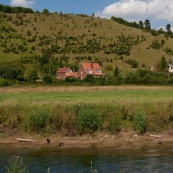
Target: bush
x=88 y=120
x=47 y=79
x=139 y=122
x=3 y=82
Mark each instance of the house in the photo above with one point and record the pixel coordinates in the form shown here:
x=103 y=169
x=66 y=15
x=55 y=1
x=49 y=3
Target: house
x=170 y=68
x=89 y=68
x=62 y=73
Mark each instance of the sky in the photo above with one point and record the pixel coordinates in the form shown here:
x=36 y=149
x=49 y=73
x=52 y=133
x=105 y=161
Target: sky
x=159 y=12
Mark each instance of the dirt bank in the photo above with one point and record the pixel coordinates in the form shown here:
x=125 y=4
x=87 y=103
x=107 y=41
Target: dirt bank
x=123 y=139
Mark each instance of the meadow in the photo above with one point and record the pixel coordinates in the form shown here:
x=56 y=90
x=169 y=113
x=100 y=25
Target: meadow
x=79 y=110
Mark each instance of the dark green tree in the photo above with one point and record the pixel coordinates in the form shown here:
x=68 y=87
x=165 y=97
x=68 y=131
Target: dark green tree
x=147 y=25
x=47 y=79
x=168 y=29
x=116 y=71
x=162 y=64
x=33 y=75
x=45 y=11
x=141 y=25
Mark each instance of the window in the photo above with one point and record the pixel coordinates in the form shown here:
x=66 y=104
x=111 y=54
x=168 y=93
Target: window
x=98 y=71
x=90 y=71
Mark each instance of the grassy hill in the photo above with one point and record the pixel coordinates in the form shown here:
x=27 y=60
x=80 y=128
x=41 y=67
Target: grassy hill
x=66 y=39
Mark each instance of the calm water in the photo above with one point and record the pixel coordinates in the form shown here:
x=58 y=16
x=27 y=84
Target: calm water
x=156 y=159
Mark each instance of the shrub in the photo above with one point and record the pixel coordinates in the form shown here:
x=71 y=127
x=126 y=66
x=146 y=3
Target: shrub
x=16 y=165
x=88 y=120
x=47 y=79
x=3 y=82
x=139 y=122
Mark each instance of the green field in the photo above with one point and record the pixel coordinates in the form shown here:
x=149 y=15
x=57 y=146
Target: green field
x=86 y=110
x=91 y=96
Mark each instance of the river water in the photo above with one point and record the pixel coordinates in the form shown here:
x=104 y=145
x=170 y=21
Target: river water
x=145 y=159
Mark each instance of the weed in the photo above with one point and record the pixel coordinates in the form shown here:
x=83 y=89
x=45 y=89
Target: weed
x=139 y=122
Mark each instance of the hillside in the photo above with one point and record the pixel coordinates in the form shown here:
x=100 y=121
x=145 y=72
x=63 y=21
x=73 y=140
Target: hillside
x=55 y=40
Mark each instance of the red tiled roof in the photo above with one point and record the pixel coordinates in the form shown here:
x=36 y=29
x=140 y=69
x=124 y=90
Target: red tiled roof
x=63 y=70
x=71 y=74
x=91 y=66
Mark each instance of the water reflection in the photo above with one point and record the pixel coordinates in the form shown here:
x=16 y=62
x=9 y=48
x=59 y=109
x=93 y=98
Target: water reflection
x=156 y=159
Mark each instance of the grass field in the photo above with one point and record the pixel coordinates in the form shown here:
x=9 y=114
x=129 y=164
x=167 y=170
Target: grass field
x=86 y=109
x=100 y=95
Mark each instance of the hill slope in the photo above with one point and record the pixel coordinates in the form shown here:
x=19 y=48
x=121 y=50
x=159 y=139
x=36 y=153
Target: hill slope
x=71 y=39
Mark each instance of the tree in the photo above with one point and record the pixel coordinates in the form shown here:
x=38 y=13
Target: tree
x=116 y=71
x=47 y=79
x=168 y=29
x=12 y=71
x=16 y=165
x=45 y=11
x=33 y=76
x=162 y=64
x=141 y=25
x=147 y=25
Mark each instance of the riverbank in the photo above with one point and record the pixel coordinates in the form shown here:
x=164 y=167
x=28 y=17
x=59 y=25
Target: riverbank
x=99 y=139
x=107 y=113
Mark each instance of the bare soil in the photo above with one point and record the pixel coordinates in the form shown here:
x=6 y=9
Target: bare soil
x=99 y=139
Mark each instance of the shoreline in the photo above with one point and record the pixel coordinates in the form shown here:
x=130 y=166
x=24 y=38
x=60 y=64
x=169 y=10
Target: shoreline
x=99 y=140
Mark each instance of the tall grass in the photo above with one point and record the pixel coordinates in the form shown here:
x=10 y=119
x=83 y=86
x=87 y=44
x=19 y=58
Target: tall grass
x=86 y=118
x=78 y=112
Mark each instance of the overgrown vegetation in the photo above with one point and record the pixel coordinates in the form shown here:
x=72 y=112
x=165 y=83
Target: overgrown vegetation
x=86 y=113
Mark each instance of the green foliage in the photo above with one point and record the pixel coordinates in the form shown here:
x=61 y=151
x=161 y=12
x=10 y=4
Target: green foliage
x=116 y=71
x=125 y=22
x=162 y=64
x=88 y=120
x=45 y=11
x=9 y=9
x=133 y=63
x=38 y=120
x=12 y=71
x=3 y=82
x=47 y=79
x=33 y=76
x=89 y=78
x=16 y=165
x=156 y=45
x=139 y=122
x=147 y=25
x=115 y=123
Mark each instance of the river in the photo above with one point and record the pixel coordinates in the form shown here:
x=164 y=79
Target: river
x=145 y=159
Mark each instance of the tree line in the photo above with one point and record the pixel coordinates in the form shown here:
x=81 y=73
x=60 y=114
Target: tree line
x=9 y=9
x=146 y=25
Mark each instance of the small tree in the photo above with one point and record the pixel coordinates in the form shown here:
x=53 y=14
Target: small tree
x=16 y=165
x=33 y=76
x=116 y=71
x=141 y=24
x=47 y=79
x=162 y=64
x=147 y=25
x=168 y=29
x=45 y=11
